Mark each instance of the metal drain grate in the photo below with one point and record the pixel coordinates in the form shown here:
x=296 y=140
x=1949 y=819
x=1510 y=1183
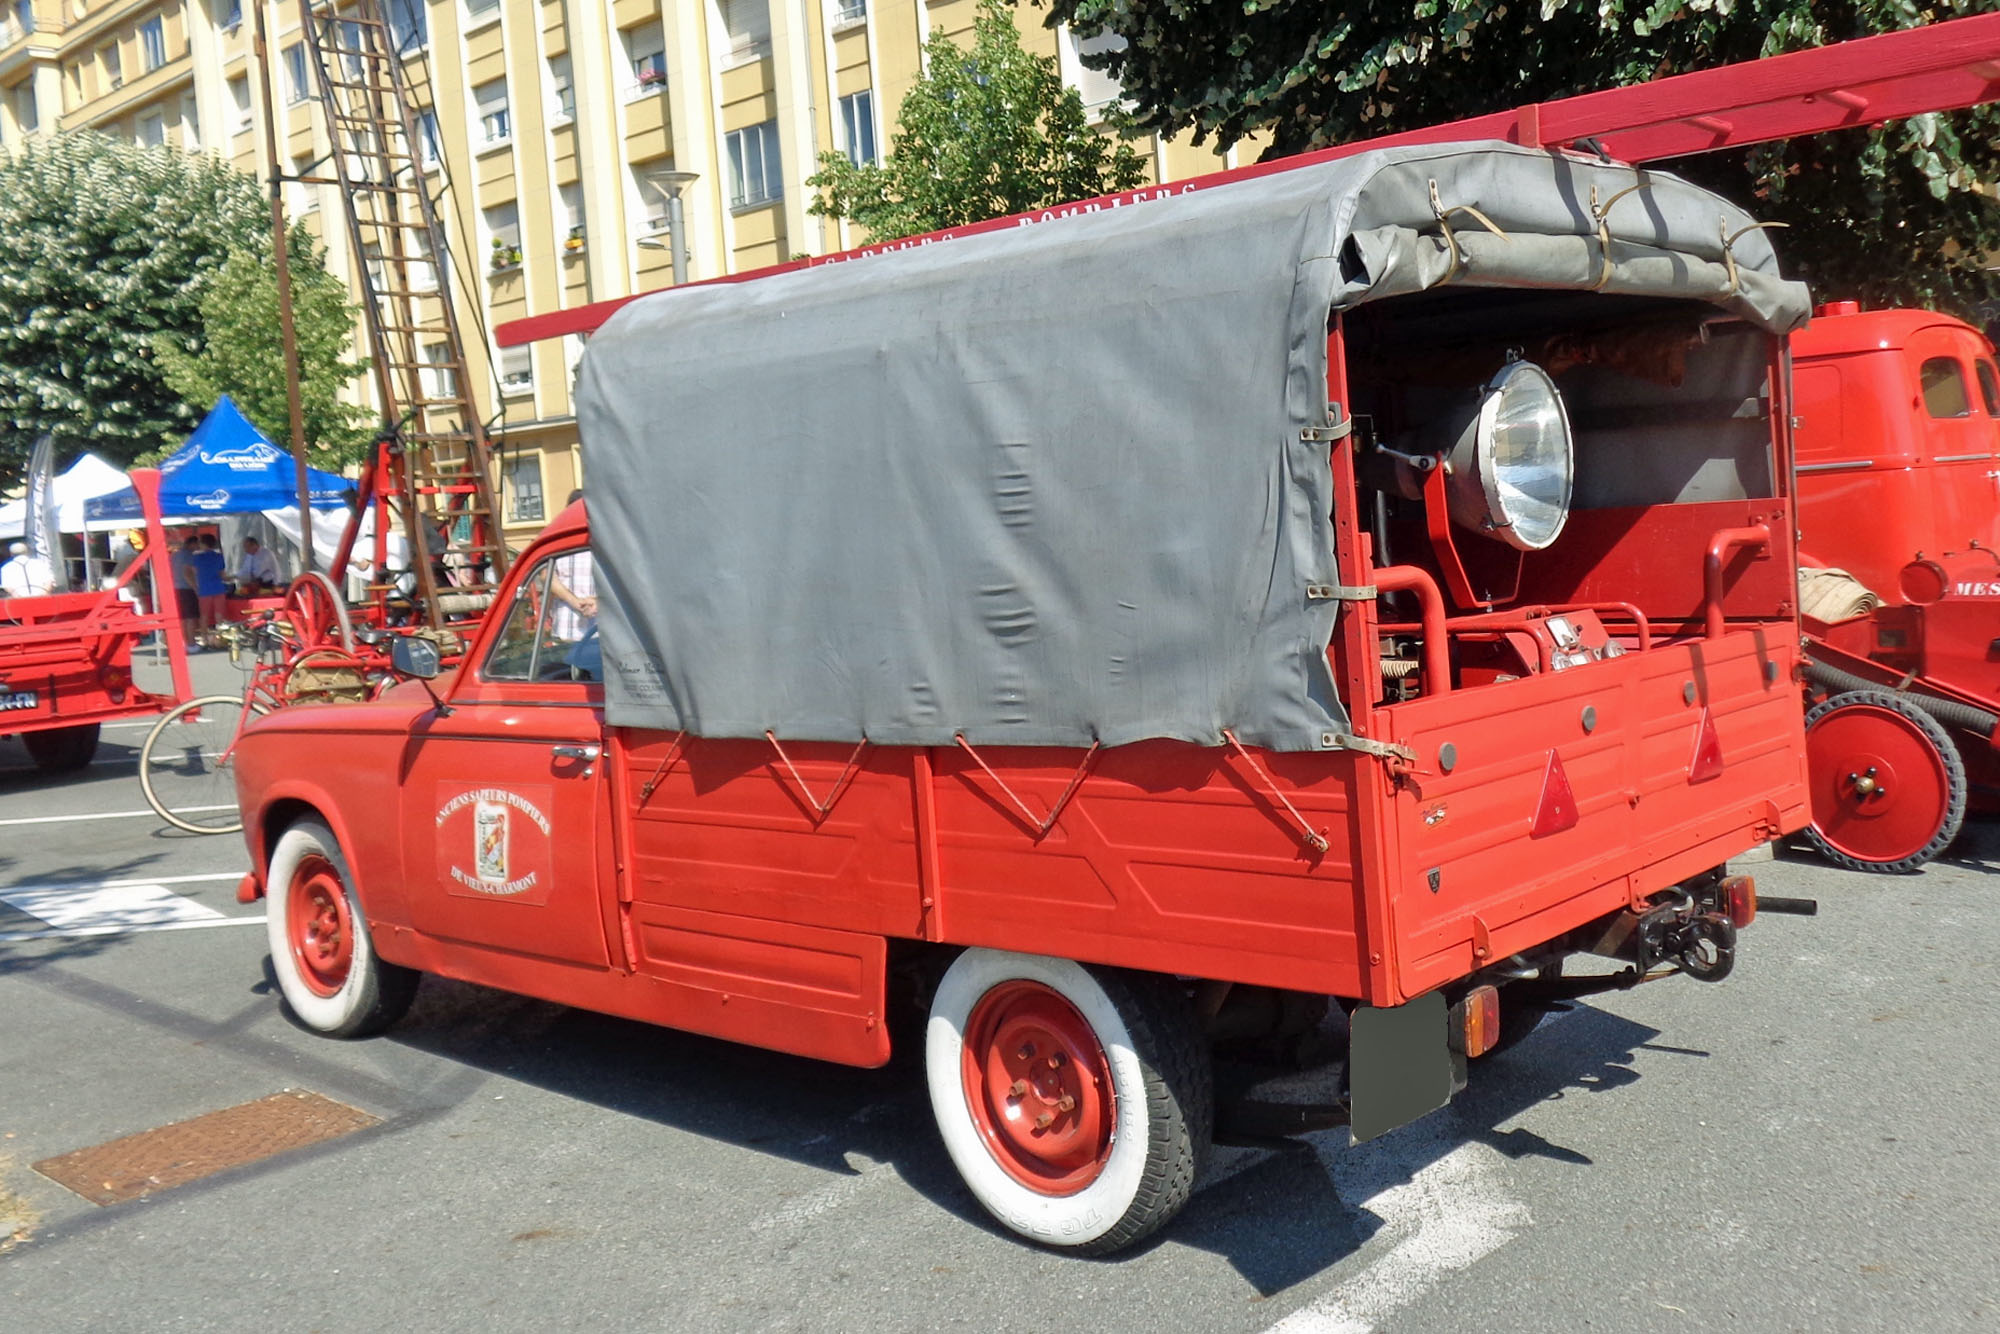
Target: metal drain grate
x=173 y=1155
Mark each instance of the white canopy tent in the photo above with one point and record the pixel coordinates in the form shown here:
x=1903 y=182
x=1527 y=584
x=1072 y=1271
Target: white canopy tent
x=87 y=479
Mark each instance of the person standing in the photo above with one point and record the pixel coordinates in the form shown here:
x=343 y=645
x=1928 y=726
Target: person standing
x=210 y=585
x=186 y=602
x=25 y=575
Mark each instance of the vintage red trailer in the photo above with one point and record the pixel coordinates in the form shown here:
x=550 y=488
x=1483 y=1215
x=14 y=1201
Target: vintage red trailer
x=66 y=658
x=1898 y=431
x=1322 y=603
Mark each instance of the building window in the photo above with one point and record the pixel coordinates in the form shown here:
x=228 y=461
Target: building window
x=190 y=123
x=232 y=15
x=26 y=114
x=849 y=11
x=857 y=118
x=572 y=203
x=563 y=88
x=646 y=48
x=153 y=130
x=438 y=380
x=755 y=174
x=495 y=126
x=429 y=147
x=1097 y=88
x=239 y=98
x=503 y=228
x=297 y=86
x=517 y=376
x=409 y=28
x=748 y=26
x=524 y=479
x=153 y=40
x=478 y=11
x=423 y=272
x=114 y=66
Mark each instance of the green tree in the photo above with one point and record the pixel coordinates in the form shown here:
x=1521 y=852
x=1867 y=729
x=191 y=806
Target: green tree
x=1887 y=215
x=238 y=351
x=984 y=133
x=104 y=246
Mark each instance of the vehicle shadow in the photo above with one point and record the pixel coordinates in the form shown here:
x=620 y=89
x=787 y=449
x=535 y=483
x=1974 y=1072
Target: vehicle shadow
x=1279 y=1220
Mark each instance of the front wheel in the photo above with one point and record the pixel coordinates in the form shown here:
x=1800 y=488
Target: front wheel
x=186 y=767
x=320 y=947
x=1075 y=1101
x=62 y=750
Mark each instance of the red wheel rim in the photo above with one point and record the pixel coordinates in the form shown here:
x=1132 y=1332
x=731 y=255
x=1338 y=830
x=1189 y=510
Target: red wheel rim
x=1880 y=790
x=1039 y=1088
x=320 y=928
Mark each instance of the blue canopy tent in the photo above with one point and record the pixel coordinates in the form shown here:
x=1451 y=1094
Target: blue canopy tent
x=227 y=466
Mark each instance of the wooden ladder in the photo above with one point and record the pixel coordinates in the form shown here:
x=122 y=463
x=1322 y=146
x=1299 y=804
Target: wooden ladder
x=438 y=457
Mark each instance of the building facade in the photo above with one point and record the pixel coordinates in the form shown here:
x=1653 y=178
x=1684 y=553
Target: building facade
x=553 y=124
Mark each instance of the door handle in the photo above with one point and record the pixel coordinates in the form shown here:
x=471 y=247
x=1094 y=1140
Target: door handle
x=574 y=752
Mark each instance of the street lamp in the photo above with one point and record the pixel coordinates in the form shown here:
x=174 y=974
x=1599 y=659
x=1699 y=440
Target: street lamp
x=670 y=184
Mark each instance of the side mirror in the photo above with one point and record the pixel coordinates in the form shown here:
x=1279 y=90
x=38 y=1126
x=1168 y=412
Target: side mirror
x=411 y=656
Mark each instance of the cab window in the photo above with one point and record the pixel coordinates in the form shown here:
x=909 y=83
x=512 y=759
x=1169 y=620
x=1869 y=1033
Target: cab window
x=1944 y=388
x=1989 y=386
x=551 y=629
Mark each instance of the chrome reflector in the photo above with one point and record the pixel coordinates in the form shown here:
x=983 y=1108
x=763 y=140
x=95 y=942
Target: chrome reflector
x=1510 y=470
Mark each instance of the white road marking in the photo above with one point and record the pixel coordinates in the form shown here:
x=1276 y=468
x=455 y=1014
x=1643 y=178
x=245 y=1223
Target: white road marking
x=1441 y=1212
x=115 y=907
x=109 y=815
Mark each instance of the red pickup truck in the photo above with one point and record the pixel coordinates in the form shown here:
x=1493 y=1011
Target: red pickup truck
x=1176 y=635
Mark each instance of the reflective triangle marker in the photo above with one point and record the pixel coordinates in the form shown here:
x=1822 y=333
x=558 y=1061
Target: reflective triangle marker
x=1706 y=763
x=1556 y=811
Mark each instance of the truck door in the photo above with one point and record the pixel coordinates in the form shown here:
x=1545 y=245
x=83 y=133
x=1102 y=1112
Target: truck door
x=504 y=817
x=1959 y=439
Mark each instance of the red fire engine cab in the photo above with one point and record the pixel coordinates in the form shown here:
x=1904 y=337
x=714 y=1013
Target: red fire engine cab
x=1898 y=438
x=1151 y=640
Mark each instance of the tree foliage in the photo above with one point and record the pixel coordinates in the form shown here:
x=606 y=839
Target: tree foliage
x=1890 y=215
x=239 y=352
x=984 y=133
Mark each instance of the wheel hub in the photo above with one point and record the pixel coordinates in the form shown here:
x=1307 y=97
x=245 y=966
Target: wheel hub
x=1039 y=1088
x=1881 y=790
x=320 y=929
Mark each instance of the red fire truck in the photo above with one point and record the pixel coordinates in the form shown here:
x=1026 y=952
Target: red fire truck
x=1148 y=640
x=1898 y=429
x=66 y=659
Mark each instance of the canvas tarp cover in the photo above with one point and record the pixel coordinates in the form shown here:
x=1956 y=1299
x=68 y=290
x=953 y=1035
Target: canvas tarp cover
x=1047 y=485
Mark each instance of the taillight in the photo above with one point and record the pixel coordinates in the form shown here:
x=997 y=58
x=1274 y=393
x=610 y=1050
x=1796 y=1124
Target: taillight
x=1481 y=1008
x=1739 y=899
x=116 y=681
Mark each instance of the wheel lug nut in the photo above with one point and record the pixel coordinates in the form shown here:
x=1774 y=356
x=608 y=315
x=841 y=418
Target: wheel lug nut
x=1044 y=1121
x=1056 y=1061
x=1018 y=1089
x=1066 y=1103
x=1027 y=1052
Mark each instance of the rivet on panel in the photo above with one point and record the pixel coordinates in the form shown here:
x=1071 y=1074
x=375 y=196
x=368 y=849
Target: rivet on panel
x=1589 y=718
x=1687 y=692
x=1447 y=757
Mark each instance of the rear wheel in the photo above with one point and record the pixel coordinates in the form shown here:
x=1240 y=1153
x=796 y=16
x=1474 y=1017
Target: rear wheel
x=62 y=750
x=1888 y=787
x=185 y=767
x=320 y=947
x=1076 y=1102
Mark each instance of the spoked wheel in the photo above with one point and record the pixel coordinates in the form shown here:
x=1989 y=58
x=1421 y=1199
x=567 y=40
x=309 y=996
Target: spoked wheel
x=1888 y=787
x=1074 y=1101
x=318 y=613
x=320 y=946
x=185 y=767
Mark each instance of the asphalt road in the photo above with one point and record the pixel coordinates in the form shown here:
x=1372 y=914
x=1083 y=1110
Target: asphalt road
x=1805 y=1147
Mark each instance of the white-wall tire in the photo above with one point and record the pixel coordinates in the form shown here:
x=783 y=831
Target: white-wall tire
x=321 y=951
x=1119 y=1161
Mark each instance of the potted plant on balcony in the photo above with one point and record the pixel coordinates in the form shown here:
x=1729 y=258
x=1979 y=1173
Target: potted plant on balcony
x=505 y=256
x=651 y=79
x=574 y=241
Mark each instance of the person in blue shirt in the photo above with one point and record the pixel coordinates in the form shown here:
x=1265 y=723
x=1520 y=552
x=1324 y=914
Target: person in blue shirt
x=211 y=588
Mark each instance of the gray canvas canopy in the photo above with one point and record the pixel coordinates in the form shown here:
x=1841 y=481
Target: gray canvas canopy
x=1048 y=485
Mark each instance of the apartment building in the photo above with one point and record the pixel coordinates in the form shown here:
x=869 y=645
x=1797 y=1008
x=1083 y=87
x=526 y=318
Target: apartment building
x=558 y=128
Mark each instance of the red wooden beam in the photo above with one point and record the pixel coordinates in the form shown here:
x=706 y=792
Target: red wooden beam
x=1941 y=67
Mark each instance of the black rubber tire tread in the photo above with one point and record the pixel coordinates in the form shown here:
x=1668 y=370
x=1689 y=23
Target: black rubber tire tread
x=1950 y=712
x=1955 y=785
x=62 y=750
x=395 y=987
x=160 y=807
x=1180 y=1101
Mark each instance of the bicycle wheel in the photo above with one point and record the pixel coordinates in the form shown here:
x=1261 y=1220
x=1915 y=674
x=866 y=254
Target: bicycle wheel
x=184 y=767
